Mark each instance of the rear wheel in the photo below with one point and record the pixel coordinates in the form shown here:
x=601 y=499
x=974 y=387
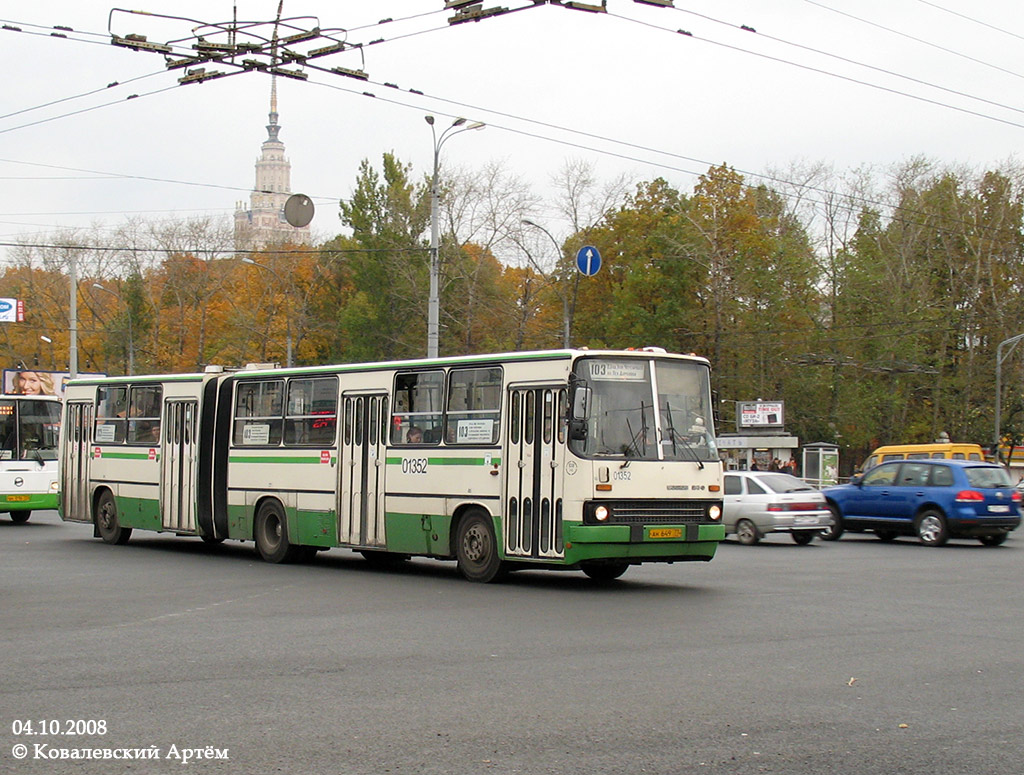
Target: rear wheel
x=107 y=524
x=604 y=571
x=994 y=540
x=803 y=537
x=477 y=549
x=747 y=533
x=271 y=534
x=20 y=517
x=836 y=529
x=931 y=528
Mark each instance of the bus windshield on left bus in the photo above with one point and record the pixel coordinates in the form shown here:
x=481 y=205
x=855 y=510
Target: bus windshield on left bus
x=29 y=433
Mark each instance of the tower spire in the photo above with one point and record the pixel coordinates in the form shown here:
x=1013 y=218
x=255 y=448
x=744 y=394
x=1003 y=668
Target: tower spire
x=272 y=127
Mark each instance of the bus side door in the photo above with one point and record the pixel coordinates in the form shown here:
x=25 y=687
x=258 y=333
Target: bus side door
x=361 y=470
x=74 y=465
x=533 y=471
x=178 y=465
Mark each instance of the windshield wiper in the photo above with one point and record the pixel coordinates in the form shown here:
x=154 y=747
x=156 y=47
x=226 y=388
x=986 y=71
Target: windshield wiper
x=673 y=436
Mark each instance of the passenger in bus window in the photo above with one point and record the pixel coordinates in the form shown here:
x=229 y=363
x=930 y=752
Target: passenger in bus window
x=414 y=435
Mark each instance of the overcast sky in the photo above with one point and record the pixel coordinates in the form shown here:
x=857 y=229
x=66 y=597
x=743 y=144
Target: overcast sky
x=847 y=83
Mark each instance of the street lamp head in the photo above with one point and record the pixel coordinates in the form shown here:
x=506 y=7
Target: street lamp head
x=459 y=121
x=429 y=120
x=476 y=125
x=247 y=260
x=46 y=339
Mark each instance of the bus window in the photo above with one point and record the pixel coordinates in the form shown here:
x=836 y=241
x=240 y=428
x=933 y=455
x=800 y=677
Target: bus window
x=312 y=414
x=474 y=406
x=8 y=432
x=417 y=404
x=258 y=412
x=144 y=414
x=112 y=405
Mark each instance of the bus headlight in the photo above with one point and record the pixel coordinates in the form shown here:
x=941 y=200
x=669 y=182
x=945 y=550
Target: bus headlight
x=601 y=513
x=714 y=513
x=54 y=486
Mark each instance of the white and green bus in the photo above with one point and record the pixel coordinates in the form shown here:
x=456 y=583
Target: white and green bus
x=29 y=429
x=565 y=459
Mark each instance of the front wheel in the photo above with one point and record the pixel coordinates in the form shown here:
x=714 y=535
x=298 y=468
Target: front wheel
x=107 y=524
x=834 y=531
x=271 y=534
x=994 y=540
x=803 y=537
x=604 y=571
x=477 y=550
x=20 y=517
x=747 y=533
x=931 y=528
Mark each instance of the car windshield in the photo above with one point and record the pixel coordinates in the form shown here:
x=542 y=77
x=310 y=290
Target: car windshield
x=987 y=477
x=784 y=483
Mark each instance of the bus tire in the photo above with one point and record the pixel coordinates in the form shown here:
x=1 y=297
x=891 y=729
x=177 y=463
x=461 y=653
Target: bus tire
x=20 y=517
x=271 y=534
x=604 y=571
x=476 y=548
x=107 y=524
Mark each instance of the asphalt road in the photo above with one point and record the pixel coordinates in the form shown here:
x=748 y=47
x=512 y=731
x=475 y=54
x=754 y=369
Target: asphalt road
x=848 y=657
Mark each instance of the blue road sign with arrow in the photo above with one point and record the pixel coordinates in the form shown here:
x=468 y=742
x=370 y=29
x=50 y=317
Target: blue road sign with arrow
x=588 y=260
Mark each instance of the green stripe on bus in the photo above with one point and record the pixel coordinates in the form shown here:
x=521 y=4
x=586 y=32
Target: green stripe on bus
x=278 y=459
x=127 y=456
x=450 y=461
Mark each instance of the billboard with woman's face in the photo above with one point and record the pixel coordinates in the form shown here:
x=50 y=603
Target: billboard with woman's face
x=30 y=382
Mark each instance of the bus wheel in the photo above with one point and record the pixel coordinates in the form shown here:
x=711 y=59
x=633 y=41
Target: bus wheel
x=477 y=550
x=604 y=571
x=271 y=534
x=107 y=525
x=20 y=517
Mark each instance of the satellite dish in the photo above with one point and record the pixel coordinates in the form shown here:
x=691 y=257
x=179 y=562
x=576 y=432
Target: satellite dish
x=298 y=210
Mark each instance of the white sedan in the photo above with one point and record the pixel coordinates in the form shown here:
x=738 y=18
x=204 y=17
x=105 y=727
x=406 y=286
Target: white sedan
x=760 y=502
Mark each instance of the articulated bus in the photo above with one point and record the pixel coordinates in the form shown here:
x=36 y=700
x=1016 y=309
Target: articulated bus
x=565 y=459
x=29 y=428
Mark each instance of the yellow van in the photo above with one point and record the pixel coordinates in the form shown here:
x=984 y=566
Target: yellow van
x=947 y=450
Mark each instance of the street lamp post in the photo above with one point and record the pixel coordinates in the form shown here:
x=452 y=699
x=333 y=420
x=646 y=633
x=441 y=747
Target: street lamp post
x=999 y=387
x=128 y=312
x=287 y=309
x=434 y=303
x=566 y=312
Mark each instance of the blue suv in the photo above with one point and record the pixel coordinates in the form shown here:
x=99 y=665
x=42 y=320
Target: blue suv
x=933 y=499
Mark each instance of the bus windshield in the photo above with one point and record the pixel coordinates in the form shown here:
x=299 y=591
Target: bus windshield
x=646 y=410
x=29 y=430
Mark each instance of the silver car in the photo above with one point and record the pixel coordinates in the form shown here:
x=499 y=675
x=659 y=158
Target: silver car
x=760 y=502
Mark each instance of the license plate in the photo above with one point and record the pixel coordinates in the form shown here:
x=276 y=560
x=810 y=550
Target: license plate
x=666 y=532
x=805 y=521
x=999 y=509
x=17 y=498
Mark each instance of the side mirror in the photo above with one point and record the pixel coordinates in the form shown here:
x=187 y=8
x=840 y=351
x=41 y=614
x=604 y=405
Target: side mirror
x=579 y=411
x=857 y=479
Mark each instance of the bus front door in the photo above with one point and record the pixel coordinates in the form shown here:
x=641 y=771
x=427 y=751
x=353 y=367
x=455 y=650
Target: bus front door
x=533 y=485
x=74 y=468
x=361 y=470
x=178 y=466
